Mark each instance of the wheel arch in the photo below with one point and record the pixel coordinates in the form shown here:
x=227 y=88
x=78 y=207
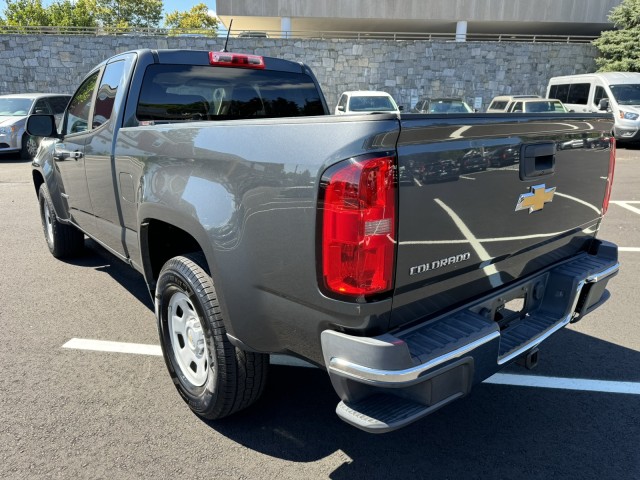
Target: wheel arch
x=161 y=240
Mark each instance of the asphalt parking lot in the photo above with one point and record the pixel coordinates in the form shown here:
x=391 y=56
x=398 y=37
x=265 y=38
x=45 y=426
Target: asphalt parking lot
x=68 y=412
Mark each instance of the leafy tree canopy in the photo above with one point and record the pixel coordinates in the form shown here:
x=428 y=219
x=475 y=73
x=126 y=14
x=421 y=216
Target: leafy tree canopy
x=196 y=20
x=620 y=49
x=84 y=13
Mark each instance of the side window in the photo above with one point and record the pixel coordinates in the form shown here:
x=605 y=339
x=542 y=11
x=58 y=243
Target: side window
x=77 y=118
x=42 y=106
x=561 y=93
x=517 y=107
x=579 y=93
x=58 y=104
x=343 y=101
x=553 y=91
x=599 y=95
x=111 y=80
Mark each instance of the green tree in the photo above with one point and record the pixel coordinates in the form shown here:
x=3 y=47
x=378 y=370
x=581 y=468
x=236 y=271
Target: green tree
x=620 y=49
x=78 y=13
x=26 y=13
x=129 y=13
x=196 y=20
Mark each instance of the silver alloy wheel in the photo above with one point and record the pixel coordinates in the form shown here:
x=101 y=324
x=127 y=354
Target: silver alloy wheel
x=48 y=223
x=32 y=147
x=187 y=339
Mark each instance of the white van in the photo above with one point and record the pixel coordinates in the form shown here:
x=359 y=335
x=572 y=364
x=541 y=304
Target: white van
x=616 y=92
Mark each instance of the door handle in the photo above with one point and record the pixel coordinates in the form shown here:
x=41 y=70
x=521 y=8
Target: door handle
x=537 y=160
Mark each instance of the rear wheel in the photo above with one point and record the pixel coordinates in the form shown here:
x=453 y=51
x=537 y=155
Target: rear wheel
x=215 y=378
x=62 y=240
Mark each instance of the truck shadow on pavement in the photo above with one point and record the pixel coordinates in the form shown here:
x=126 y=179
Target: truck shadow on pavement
x=496 y=432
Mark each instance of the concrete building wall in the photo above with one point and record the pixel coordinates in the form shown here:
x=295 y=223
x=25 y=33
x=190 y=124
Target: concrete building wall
x=589 y=11
x=561 y=17
x=407 y=69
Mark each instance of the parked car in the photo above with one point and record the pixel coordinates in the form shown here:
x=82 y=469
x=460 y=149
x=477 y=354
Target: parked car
x=14 y=110
x=366 y=101
x=442 y=105
x=537 y=105
x=501 y=103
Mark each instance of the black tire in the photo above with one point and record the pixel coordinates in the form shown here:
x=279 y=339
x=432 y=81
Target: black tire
x=29 y=147
x=62 y=240
x=220 y=379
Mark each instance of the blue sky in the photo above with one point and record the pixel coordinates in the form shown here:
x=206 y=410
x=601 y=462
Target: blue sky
x=169 y=5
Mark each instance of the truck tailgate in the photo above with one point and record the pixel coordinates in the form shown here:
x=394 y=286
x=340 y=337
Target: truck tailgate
x=477 y=205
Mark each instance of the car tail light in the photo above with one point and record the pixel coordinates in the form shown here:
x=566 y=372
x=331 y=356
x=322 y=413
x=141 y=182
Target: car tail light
x=228 y=59
x=358 y=226
x=612 y=166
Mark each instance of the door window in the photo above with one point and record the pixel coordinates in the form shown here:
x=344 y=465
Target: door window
x=77 y=117
x=42 y=106
x=599 y=95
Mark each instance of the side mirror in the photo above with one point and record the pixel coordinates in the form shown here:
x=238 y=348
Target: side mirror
x=603 y=104
x=341 y=108
x=401 y=108
x=41 y=126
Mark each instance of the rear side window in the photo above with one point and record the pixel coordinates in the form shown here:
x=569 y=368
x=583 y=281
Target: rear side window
x=498 y=105
x=578 y=93
x=560 y=92
x=174 y=93
x=107 y=91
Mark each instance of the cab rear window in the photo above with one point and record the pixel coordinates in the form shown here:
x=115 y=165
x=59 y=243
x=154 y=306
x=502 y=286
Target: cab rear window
x=176 y=93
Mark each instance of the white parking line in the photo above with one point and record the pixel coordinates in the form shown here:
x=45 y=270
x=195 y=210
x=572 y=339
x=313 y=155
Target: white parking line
x=628 y=249
x=583 y=384
x=117 y=347
x=627 y=206
x=535 y=381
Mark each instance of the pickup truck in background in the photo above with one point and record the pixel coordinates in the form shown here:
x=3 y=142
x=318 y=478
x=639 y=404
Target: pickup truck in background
x=264 y=225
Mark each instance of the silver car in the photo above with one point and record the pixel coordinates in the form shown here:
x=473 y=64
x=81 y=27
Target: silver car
x=14 y=110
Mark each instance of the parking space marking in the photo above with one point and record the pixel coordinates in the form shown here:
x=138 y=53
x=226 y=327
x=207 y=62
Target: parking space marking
x=117 y=347
x=627 y=205
x=583 y=384
x=628 y=249
x=534 y=381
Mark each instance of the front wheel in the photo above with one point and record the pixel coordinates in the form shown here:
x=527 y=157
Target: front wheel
x=29 y=147
x=62 y=240
x=215 y=378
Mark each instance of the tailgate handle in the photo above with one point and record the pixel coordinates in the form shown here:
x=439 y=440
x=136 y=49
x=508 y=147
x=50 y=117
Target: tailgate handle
x=537 y=160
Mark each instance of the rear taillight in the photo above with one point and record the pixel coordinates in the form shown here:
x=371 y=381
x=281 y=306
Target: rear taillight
x=358 y=226
x=612 y=166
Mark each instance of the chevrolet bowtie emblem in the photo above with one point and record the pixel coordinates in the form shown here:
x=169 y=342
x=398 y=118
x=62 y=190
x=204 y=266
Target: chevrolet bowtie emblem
x=536 y=199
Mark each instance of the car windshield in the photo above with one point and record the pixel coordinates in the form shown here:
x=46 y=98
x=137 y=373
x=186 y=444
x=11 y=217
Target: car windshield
x=628 y=94
x=449 y=107
x=10 y=107
x=371 y=104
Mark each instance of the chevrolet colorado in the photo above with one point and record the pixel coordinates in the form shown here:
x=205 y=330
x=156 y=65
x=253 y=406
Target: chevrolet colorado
x=360 y=243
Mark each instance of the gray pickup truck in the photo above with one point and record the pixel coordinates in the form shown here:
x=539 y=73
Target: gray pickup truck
x=385 y=249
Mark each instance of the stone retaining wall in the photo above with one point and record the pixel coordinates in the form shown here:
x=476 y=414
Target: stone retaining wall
x=406 y=69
